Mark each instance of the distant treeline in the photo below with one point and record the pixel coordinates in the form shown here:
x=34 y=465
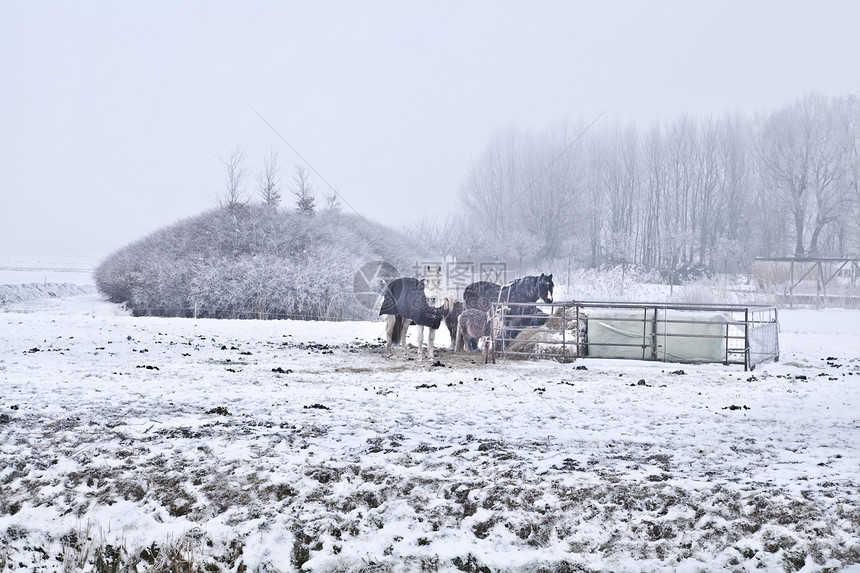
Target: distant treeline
x=709 y=193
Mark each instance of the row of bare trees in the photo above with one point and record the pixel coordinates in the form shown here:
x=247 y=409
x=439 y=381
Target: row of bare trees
x=269 y=184
x=715 y=192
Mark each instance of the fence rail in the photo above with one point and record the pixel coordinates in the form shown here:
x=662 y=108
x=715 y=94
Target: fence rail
x=727 y=334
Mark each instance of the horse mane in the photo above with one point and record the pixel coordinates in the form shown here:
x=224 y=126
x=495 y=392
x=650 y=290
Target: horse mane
x=522 y=290
x=522 y=286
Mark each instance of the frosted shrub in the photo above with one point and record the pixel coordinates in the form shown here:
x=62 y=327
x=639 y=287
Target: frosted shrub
x=615 y=283
x=719 y=290
x=706 y=290
x=252 y=262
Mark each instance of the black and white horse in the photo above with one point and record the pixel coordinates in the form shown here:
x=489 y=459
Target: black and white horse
x=481 y=295
x=405 y=302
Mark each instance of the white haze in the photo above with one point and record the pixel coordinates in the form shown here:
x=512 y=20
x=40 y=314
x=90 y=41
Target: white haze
x=114 y=117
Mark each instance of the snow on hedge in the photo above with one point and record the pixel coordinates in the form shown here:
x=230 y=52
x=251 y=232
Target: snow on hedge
x=253 y=262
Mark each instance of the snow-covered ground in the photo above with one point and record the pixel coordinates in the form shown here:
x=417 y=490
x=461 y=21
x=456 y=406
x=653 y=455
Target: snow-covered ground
x=45 y=269
x=31 y=277
x=252 y=445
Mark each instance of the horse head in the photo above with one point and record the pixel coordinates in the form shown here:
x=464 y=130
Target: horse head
x=451 y=304
x=545 y=286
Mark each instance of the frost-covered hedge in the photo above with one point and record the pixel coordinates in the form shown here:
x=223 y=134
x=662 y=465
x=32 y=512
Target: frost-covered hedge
x=252 y=262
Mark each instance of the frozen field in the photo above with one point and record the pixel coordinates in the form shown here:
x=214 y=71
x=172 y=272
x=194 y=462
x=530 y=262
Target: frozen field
x=42 y=269
x=248 y=445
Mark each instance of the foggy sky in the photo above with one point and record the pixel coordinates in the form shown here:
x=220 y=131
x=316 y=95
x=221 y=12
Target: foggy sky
x=114 y=116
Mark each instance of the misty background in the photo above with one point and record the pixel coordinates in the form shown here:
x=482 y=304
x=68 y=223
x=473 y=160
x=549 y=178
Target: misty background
x=116 y=119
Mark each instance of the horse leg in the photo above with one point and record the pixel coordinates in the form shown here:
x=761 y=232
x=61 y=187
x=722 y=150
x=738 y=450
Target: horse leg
x=390 y=325
x=473 y=344
x=420 y=341
x=458 y=341
x=403 y=332
x=476 y=329
x=431 y=340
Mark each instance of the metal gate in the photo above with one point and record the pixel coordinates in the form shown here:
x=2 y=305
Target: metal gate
x=565 y=331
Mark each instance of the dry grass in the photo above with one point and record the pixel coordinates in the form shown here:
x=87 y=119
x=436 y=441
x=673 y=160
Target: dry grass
x=549 y=340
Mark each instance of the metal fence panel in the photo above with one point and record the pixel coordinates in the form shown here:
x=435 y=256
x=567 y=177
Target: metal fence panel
x=730 y=334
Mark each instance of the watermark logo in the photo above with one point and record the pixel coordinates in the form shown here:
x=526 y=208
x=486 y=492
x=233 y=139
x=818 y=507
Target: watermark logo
x=370 y=281
x=441 y=278
x=452 y=277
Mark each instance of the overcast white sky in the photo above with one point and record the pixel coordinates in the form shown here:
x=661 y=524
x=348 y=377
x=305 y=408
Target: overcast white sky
x=114 y=115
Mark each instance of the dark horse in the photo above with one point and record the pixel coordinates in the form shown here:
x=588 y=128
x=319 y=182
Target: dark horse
x=405 y=302
x=482 y=294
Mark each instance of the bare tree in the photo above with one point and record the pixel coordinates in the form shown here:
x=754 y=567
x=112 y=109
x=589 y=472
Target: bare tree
x=805 y=152
x=614 y=170
x=832 y=179
x=735 y=224
x=554 y=210
x=303 y=190
x=490 y=193
x=269 y=180
x=438 y=236
x=234 y=176
x=332 y=201
x=851 y=105
x=654 y=158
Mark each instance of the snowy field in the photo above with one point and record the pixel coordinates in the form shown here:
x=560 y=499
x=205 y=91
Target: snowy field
x=269 y=446
x=43 y=269
x=30 y=277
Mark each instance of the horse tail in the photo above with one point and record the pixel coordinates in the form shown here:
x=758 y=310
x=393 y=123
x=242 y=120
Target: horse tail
x=397 y=328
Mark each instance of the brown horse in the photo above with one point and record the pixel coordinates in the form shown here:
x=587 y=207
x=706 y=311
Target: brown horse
x=472 y=325
x=452 y=309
